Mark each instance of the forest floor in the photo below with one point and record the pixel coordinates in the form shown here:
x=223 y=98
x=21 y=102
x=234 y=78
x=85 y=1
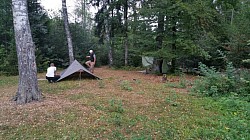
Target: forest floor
x=123 y=105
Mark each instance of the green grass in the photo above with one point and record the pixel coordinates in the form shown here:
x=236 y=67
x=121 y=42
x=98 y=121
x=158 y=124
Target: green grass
x=8 y=81
x=59 y=87
x=88 y=110
x=126 y=85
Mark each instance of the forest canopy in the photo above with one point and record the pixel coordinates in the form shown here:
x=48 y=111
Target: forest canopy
x=179 y=32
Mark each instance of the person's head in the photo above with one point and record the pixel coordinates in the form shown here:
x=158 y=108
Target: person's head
x=91 y=51
x=52 y=64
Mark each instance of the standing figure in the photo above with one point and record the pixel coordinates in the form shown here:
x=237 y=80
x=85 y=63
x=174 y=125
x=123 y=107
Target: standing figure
x=51 y=74
x=91 y=62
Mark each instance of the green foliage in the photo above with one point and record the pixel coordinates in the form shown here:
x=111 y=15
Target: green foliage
x=170 y=30
x=125 y=85
x=101 y=84
x=8 y=81
x=181 y=84
x=235 y=118
x=8 y=56
x=8 y=61
x=228 y=83
x=172 y=99
x=116 y=106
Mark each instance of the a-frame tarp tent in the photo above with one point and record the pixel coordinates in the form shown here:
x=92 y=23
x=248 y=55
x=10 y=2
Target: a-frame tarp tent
x=76 y=70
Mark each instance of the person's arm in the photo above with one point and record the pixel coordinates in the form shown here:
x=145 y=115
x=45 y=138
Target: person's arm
x=94 y=58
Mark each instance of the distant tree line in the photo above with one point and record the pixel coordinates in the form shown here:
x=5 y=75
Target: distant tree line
x=179 y=32
x=49 y=36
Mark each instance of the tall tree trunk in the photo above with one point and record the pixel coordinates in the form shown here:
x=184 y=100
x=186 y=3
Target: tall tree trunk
x=135 y=16
x=160 y=30
x=28 y=86
x=159 y=38
x=68 y=35
x=84 y=13
x=134 y=23
x=126 y=31
x=174 y=30
x=108 y=33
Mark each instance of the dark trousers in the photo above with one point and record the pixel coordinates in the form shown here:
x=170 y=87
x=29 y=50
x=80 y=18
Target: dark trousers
x=53 y=79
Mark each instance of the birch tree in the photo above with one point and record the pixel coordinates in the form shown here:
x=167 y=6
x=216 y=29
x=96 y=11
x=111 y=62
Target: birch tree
x=28 y=86
x=68 y=35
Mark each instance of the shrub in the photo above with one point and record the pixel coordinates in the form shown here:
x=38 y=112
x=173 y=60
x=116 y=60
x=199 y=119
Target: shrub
x=125 y=85
x=230 y=82
x=116 y=106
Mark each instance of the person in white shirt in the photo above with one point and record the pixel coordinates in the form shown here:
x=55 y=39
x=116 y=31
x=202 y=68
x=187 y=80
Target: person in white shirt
x=50 y=75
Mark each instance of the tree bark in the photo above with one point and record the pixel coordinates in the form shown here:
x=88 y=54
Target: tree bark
x=160 y=30
x=108 y=33
x=84 y=14
x=174 y=30
x=68 y=35
x=126 y=31
x=28 y=85
x=159 y=38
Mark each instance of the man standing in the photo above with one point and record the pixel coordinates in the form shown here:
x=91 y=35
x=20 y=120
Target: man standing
x=50 y=75
x=91 y=62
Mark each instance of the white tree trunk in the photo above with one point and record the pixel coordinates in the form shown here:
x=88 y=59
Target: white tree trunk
x=28 y=85
x=68 y=35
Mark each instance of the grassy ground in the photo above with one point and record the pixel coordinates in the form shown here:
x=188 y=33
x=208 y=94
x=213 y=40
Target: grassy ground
x=124 y=105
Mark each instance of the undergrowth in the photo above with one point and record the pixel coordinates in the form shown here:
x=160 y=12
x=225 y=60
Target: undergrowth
x=228 y=94
x=232 y=82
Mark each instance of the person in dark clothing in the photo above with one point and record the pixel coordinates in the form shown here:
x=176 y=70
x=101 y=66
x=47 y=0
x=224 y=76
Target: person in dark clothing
x=91 y=62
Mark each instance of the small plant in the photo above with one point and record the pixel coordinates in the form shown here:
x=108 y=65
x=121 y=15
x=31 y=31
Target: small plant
x=116 y=119
x=171 y=85
x=141 y=92
x=117 y=135
x=116 y=106
x=136 y=81
x=183 y=81
x=101 y=84
x=116 y=109
x=181 y=84
x=125 y=85
x=171 y=99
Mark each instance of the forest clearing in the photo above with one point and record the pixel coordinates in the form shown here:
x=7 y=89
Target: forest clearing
x=123 y=105
x=196 y=54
